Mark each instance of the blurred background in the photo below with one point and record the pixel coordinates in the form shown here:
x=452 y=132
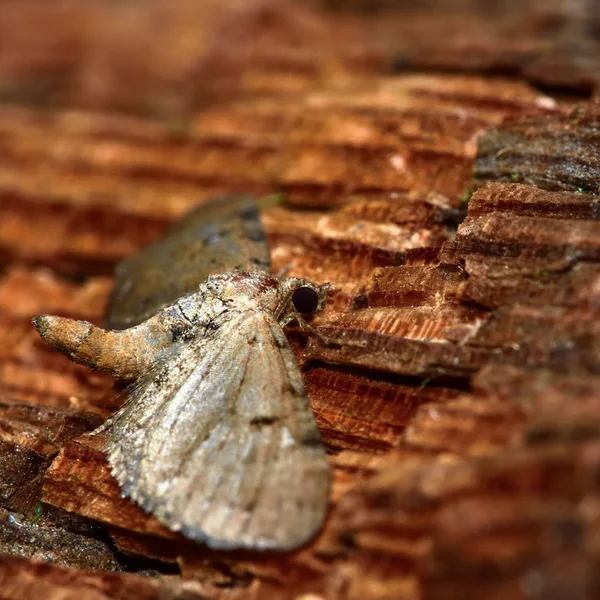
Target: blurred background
x=164 y=58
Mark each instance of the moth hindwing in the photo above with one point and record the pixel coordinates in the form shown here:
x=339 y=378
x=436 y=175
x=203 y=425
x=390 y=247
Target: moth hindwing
x=221 y=236
x=217 y=438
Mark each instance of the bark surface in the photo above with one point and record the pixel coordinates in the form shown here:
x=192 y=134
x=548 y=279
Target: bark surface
x=439 y=167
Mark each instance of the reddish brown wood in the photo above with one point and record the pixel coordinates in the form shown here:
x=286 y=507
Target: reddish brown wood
x=464 y=434
x=22 y=579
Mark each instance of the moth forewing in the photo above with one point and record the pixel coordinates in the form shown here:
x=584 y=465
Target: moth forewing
x=221 y=443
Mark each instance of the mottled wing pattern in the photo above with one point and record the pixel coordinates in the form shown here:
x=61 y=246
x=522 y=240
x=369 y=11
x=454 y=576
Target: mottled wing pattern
x=224 y=235
x=221 y=443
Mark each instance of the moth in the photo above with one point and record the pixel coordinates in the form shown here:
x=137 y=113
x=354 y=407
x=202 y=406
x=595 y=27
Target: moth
x=217 y=438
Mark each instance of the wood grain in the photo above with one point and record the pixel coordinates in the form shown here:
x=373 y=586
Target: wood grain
x=454 y=207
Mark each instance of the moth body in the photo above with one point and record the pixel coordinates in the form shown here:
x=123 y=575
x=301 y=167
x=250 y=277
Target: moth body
x=217 y=438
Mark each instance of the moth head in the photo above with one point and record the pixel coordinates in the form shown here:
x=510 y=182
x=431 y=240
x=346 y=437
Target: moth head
x=303 y=297
x=309 y=298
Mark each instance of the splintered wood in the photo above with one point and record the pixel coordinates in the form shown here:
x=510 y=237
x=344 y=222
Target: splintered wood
x=457 y=216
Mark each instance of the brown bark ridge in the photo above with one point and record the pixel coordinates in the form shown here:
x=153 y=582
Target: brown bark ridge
x=452 y=204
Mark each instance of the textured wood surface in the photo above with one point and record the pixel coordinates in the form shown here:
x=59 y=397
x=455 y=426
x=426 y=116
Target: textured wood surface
x=410 y=162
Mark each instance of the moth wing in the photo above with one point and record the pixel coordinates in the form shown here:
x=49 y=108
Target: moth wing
x=224 y=235
x=222 y=444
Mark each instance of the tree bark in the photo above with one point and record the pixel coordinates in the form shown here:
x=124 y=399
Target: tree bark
x=420 y=169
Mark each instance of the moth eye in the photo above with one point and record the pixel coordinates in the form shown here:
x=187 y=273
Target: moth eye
x=305 y=300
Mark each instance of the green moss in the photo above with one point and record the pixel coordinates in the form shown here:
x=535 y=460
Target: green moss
x=37 y=513
x=272 y=200
x=542 y=274
x=466 y=196
x=425 y=383
x=347 y=414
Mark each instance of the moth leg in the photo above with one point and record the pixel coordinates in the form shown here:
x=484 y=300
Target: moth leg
x=326 y=339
